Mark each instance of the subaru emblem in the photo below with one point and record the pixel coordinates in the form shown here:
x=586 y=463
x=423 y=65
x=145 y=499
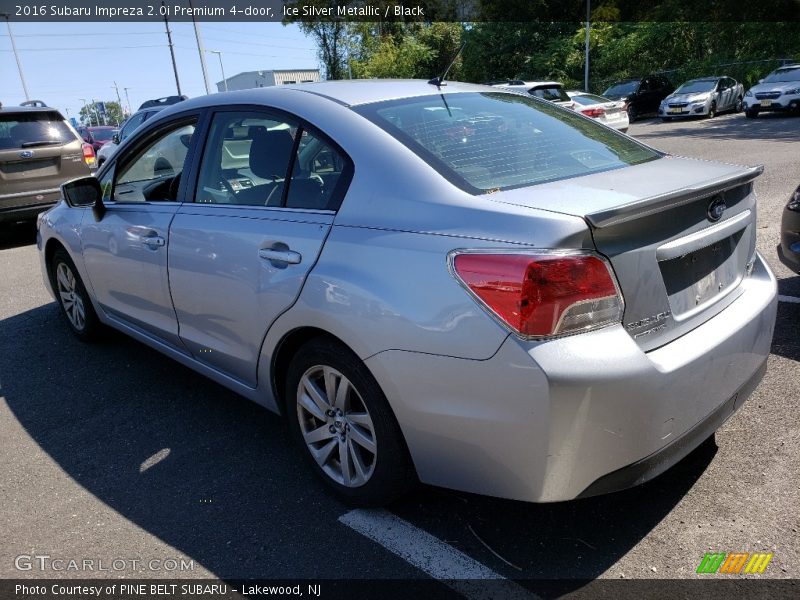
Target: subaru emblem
x=26 y=154
x=716 y=208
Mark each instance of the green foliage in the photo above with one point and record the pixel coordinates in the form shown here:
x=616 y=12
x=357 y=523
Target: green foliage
x=89 y=117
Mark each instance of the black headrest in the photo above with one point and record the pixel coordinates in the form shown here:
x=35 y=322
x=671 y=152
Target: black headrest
x=270 y=152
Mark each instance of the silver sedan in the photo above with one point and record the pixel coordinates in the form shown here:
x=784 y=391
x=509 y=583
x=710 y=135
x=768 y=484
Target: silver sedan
x=704 y=97
x=458 y=285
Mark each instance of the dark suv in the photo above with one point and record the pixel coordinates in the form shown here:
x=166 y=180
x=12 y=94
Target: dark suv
x=38 y=152
x=641 y=96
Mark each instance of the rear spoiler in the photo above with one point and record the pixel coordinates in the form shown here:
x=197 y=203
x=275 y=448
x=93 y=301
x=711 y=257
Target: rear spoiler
x=654 y=204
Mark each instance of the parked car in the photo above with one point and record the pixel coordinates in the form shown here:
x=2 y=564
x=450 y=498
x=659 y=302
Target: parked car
x=453 y=283
x=546 y=90
x=39 y=151
x=789 y=250
x=97 y=135
x=641 y=96
x=146 y=110
x=706 y=96
x=777 y=92
x=605 y=111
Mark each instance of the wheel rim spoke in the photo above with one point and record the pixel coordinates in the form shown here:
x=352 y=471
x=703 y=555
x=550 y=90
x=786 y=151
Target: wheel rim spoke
x=313 y=400
x=361 y=469
x=340 y=401
x=320 y=434
x=344 y=462
x=323 y=453
x=363 y=440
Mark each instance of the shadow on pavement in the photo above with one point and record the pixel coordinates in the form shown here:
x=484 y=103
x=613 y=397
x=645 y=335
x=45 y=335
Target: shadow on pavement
x=214 y=476
x=770 y=126
x=17 y=235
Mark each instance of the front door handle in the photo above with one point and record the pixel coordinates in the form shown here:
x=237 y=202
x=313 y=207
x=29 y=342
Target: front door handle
x=154 y=241
x=280 y=255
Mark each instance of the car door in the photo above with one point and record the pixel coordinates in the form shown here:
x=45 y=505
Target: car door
x=240 y=252
x=125 y=251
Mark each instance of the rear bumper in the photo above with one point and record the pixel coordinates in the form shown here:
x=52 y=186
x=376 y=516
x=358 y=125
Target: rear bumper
x=580 y=415
x=25 y=207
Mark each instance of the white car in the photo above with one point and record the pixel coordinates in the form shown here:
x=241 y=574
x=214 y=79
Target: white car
x=547 y=90
x=605 y=111
x=779 y=91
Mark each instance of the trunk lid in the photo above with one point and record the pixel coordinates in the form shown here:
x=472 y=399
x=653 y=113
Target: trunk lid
x=680 y=235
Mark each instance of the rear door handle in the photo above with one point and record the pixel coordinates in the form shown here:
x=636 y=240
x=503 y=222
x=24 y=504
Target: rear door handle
x=154 y=241
x=279 y=255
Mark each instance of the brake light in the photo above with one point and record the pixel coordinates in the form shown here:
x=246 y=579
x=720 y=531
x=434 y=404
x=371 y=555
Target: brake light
x=88 y=154
x=594 y=112
x=542 y=295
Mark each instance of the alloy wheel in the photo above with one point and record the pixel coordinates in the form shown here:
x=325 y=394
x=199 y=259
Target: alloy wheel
x=336 y=426
x=69 y=296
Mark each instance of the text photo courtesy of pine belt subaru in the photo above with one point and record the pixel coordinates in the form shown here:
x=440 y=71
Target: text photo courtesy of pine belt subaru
x=458 y=284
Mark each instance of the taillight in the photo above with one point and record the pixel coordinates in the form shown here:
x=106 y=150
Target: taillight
x=88 y=154
x=593 y=112
x=543 y=295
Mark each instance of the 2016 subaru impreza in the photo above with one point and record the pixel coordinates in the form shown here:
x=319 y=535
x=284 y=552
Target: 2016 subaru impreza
x=454 y=284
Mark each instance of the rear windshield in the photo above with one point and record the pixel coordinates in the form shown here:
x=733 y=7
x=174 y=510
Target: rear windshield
x=588 y=99
x=28 y=130
x=103 y=135
x=494 y=141
x=553 y=93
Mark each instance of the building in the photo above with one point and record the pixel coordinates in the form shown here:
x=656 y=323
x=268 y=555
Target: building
x=256 y=79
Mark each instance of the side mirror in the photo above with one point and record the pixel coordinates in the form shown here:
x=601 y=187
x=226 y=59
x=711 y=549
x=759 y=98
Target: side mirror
x=85 y=192
x=115 y=138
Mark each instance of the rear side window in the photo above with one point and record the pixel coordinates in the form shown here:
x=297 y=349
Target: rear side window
x=493 y=141
x=29 y=130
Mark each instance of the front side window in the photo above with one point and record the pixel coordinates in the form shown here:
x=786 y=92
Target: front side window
x=152 y=172
x=131 y=125
x=492 y=140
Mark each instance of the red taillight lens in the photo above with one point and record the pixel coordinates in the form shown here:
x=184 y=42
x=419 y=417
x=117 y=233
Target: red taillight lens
x=543 y=295
x=594 y=112
x=88 y=154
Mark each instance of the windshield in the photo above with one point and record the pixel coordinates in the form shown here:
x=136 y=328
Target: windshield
x=26 y=130
x=623 y=88
x=704 y=85
x=553 y=93
x=103 y=135
x=493 y=140
x=783 y=75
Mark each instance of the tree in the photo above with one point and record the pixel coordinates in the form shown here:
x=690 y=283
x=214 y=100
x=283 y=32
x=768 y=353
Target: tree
x=88 y=116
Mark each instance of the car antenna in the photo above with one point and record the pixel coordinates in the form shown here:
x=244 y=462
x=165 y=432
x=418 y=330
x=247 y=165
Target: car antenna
x=438 y=81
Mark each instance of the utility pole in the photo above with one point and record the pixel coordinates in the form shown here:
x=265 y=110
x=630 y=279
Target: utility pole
x=200 y=49
x=128 y=100
x=119 y=100
x=172 y=51
x=16 y=56
x=221 y=68
x=96 y=114
x=586 y=57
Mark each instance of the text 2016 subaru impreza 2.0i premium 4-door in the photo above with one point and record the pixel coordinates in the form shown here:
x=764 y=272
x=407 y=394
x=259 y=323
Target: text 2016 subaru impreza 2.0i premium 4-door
x=458 y=284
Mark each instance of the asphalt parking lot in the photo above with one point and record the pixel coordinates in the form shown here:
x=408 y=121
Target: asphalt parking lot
x=115 y=451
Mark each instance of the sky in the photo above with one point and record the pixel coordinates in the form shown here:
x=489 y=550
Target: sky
x=64 y=62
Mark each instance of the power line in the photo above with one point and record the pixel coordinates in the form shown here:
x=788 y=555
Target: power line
x=247 y=53
x=241 y=33
x=85 y=48
x=227 y=41
x=74 y=35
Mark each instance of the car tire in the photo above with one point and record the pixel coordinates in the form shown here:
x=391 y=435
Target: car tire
x=739 y=104
x=72 y=297
x=666 y=119
x=712 y=110
x=751 y=114
x=632 y=114
x=353 y=442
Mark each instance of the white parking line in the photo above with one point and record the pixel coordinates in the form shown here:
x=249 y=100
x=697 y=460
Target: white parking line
x=431 y=555
x=791 y=299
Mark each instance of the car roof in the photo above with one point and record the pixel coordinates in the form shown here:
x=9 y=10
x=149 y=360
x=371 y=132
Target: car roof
x=349 y=92
x=529 y=84
x=27 y=109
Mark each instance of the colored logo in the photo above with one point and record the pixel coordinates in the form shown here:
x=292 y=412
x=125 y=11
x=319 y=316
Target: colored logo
x=26 y=154
x=734 y=562
x=716 y=208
